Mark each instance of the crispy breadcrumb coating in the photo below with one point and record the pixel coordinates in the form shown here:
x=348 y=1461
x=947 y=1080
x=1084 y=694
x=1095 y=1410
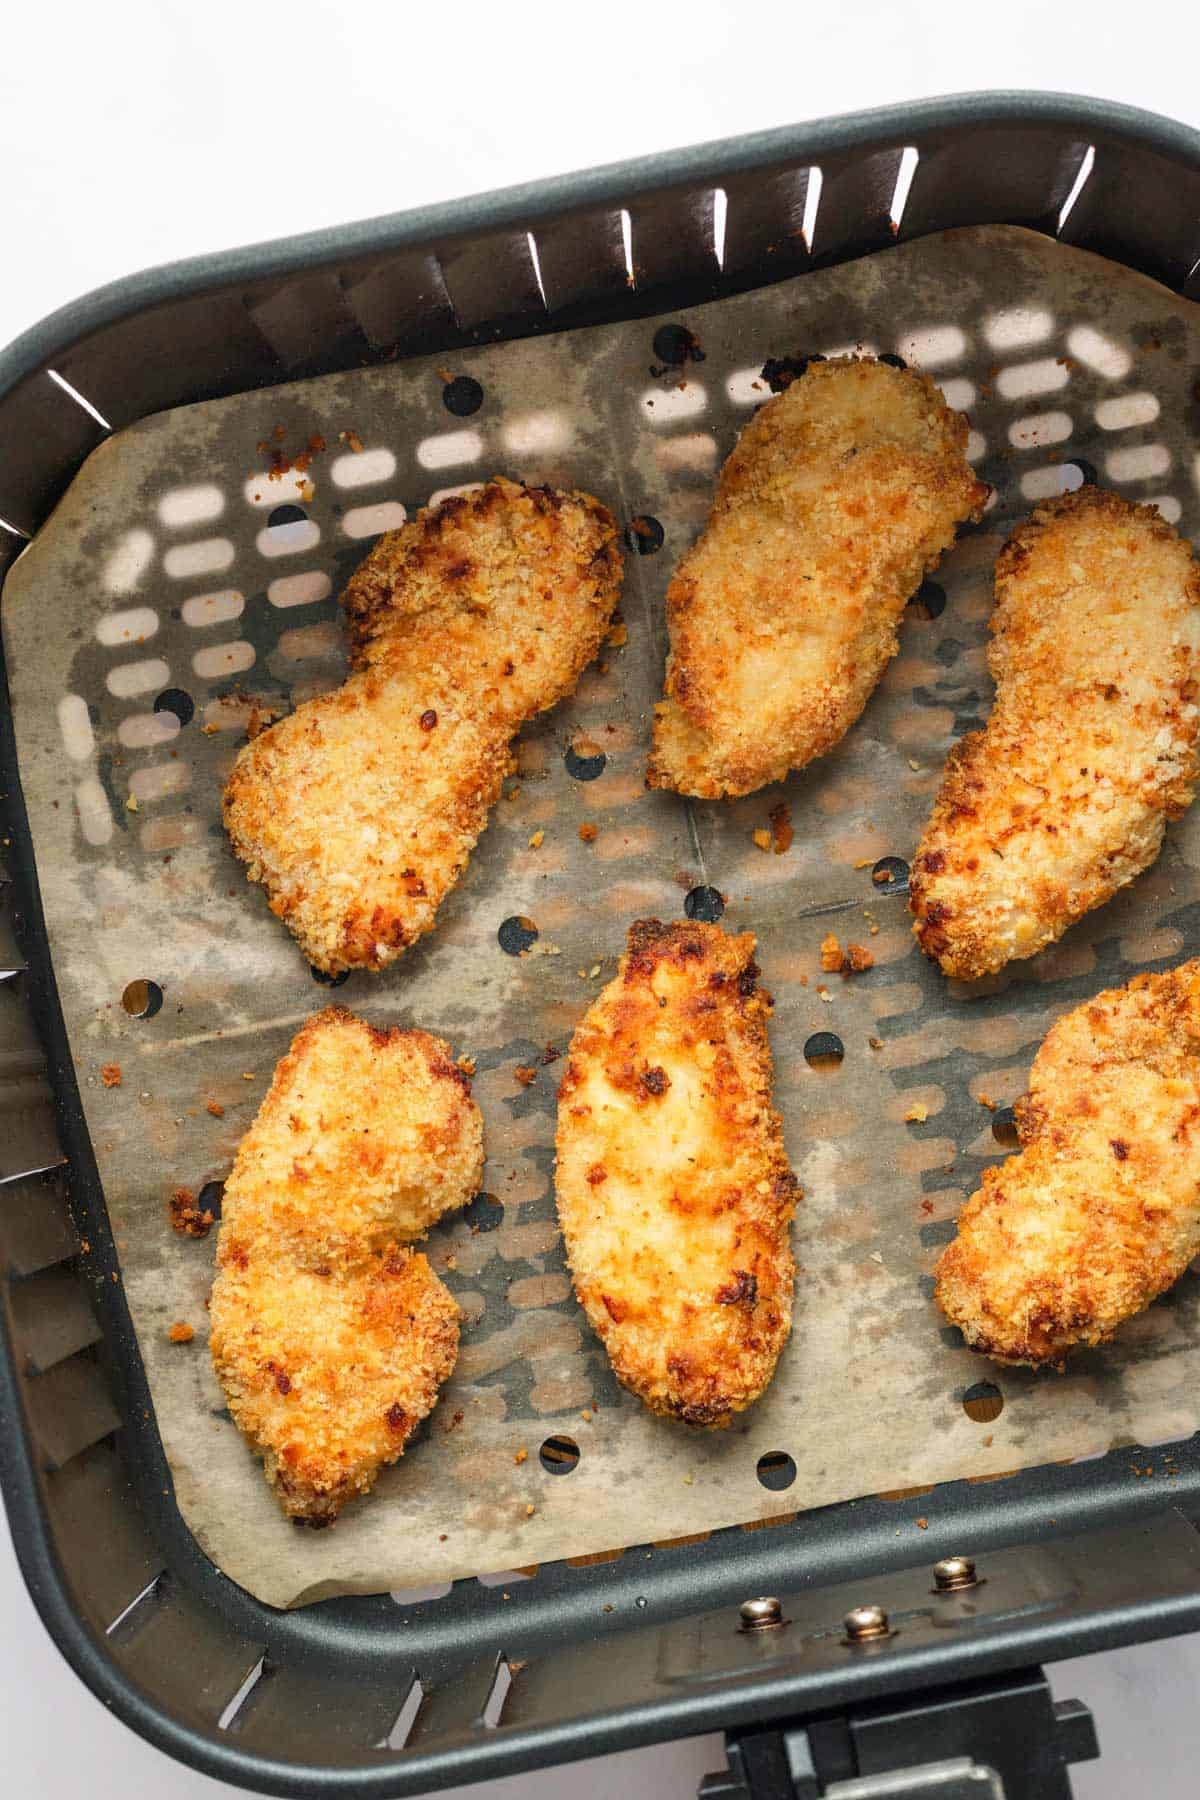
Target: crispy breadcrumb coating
x=674 y=1191
x=1091 y=746
x=840 y=494
x=359 y=810
x=1100 y=1211
x=330 y=1336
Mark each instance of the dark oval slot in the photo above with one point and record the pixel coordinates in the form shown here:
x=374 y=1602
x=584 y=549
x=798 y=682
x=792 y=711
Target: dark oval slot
x=644 y=534
x=286 y=515
x=178 y=702
x=705 y=904
x=1004 y=1126
x=559 y=1455
x=210 y=1197
x=516 y=934
x=327 y=980
x=891 y=359
x=675 y=345
x=779 y=372
x=483 y=1213
x=776 y=1470
x=584 y=768
x=929 y=601
x=462 y=396
x=824 y=1050
x=983 y=1402
x=142 y=998
x=890 y=875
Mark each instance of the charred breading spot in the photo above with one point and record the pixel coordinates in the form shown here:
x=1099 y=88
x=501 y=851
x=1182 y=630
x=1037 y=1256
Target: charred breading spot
x=330 y=1335
x=668 y=1098
x=741 y=1291
x=359 y=811
x=841 y=493
x=1064 y=797
x=1098 y=1213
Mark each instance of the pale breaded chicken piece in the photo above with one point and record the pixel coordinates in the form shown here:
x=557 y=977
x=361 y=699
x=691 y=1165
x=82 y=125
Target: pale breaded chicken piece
x=1091 y=746
x=330 y=1336
x=359 y=810
x=840 y=494
x=1100 y=1211
x=674 y=1191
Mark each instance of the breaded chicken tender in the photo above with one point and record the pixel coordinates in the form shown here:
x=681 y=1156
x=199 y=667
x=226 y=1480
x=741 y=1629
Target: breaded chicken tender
x=1091 y=746
x=674 y=1192
x=1100 y=1211
x=329 y=1334
x=839 y=495
x=359 y=810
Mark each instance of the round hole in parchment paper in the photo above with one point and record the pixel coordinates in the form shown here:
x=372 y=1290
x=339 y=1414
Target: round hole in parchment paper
x=586 y=767
x=824 y=1050
x=462 y=396
x=287 y=515
x=559 y=1454
x=705 y=904
x=483 y=1213
x=517 y=934
x=178 y=702
x=644 y=534
x=1004 y=1126
x=325 y=979
x=142 y=998
x=775 y=1470
x=210 y=1197
x=929 y=601
x=779 y=372
x=890 y=875
x=891 y=359
x=676 y=345
x=983 y=1402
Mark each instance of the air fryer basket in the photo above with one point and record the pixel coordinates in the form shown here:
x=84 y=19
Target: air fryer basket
x=361 y=1695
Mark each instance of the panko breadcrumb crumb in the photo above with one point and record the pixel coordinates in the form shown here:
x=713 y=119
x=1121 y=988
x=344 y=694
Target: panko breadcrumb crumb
x=110 y=1075
x=330 y=1335
x=181 y=1332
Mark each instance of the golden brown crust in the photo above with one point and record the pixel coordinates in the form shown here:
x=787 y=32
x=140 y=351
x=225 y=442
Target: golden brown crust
x=1091 y=745
x=840 y=494
x=330 y=1336
x=358 y=811
x=674 y=1191
x=1100 y=1211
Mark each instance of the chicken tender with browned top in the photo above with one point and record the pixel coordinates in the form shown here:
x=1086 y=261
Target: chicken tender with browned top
x=330 y=1335
x=674 y=1191
x=841 y=493
x=359 y=810
x=1091 y=745
x=1100 y=1211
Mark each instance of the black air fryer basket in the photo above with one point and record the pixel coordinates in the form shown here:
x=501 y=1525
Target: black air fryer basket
x=360 y=1696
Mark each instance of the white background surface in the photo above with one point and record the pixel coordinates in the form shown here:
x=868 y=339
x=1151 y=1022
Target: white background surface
x=131 y=134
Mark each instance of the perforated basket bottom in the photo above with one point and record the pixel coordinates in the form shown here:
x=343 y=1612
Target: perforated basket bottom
x=177 y=583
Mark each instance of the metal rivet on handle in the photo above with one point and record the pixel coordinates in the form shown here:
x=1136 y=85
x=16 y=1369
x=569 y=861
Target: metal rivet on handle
x=761 y=1614
x=953 y=1573
x=864 y=1624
